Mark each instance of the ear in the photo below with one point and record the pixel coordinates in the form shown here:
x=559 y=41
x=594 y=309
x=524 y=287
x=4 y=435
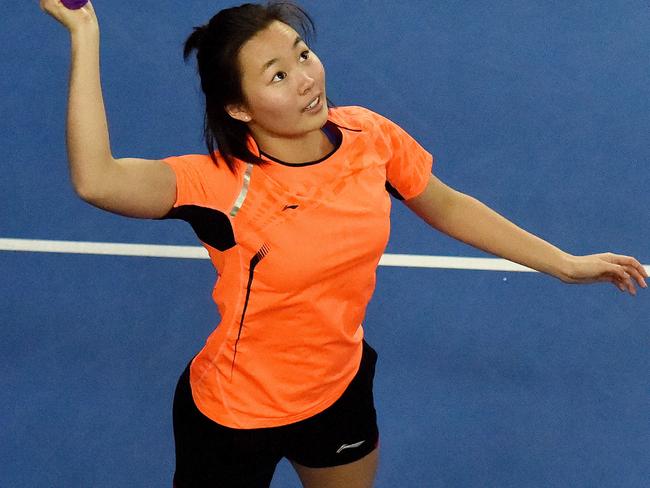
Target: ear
x=239 y=112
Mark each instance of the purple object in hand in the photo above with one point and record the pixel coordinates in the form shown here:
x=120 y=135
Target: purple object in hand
x=74 y=4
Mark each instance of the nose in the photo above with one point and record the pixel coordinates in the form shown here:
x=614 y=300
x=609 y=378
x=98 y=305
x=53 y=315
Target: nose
x=306 y=82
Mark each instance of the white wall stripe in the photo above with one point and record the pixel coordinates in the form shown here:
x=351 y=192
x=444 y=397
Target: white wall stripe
x=450 y=262
x=196 y=252
x=104 y=248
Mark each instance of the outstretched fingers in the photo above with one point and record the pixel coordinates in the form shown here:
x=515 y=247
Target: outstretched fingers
x=627 y=272
x=633 y=268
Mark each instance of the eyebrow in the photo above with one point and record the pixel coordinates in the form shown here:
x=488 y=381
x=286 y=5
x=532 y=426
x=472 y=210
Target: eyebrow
x=271 y=62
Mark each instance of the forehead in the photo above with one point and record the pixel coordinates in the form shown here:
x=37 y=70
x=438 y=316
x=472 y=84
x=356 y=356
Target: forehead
x=274 y=42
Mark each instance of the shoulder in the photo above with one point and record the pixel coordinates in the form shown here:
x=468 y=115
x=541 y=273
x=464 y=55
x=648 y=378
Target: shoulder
x=198 y=161
x=359 y=118
x=202 y=165
x=201 y=181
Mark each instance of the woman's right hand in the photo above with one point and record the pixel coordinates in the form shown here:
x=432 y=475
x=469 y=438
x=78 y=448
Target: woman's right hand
x=73 y=20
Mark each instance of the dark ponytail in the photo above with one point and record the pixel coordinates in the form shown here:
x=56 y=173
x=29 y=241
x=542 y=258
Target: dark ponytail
x=217 y=45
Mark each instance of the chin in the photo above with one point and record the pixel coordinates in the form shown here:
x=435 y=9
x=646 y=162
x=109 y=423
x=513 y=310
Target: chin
x=322 y=116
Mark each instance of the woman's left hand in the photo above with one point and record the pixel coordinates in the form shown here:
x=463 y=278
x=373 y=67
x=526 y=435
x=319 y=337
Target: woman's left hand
x=622 y=271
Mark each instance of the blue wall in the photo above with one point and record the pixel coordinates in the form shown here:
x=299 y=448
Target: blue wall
x=485 y=379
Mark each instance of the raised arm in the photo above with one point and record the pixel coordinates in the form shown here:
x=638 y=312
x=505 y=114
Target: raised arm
x=133 y=187
x=468 y=220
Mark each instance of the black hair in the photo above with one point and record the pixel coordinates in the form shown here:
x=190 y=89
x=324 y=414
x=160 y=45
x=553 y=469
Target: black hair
x=217 y=46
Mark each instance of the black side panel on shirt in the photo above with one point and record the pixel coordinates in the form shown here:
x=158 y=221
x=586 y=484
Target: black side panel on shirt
x=391 y=189
x=211 y=226
x=259 y=255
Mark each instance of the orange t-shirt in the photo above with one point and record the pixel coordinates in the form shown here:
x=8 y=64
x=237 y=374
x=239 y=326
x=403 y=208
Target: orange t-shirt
x=296 y=249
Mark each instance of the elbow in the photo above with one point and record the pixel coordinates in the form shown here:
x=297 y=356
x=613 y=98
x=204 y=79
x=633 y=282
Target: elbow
x=85 y=191
x=88 y=188
x=91 y=192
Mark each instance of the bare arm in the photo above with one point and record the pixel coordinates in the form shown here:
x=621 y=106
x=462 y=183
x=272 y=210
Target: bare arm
x=468 y=220
x=132 y=187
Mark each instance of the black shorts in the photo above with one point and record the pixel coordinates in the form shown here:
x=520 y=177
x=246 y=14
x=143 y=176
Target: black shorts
x=212 y=455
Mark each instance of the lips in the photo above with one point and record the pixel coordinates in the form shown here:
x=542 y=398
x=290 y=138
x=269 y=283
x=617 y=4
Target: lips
x=312 y=104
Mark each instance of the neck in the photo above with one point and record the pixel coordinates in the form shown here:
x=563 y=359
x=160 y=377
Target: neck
x=312 y=146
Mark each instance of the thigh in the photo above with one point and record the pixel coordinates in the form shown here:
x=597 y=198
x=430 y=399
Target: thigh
x=358 y=474
x=209 y=455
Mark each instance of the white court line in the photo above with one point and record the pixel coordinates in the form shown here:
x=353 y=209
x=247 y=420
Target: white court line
x=196 y=252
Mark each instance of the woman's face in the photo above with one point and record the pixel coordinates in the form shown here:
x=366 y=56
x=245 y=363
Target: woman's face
x=283 y=84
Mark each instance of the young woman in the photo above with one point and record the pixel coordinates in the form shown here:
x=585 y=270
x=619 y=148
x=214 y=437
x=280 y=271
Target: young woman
x=292 y=203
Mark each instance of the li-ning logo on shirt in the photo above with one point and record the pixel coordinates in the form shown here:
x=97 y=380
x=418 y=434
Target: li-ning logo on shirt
x=349 y=446
x=289 y=206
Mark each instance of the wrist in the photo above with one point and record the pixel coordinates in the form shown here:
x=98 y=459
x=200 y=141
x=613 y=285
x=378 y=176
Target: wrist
x=84 y=42
x=566 y=267
x=85 y=31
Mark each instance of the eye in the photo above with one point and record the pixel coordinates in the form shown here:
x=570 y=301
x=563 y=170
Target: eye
x=279 y=76
x=305 y=55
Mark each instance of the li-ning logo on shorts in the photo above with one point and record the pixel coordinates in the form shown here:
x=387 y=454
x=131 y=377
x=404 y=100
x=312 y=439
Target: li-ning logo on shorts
x=349 y=446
